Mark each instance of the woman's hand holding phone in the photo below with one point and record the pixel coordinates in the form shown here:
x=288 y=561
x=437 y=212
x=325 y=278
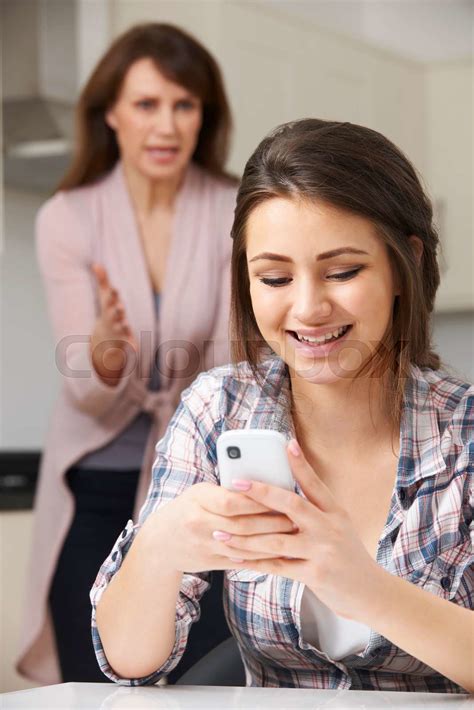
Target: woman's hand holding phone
x=194 y=526
x=325 y=553
x=254 y=524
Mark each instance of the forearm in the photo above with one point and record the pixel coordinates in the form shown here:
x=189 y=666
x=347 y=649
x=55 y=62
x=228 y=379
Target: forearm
x=436 y=631
x=136 y=614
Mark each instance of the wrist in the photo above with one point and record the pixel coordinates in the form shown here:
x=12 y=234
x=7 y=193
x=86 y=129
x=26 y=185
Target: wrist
x=108 y=358
x=377 y=599
x=156 y=541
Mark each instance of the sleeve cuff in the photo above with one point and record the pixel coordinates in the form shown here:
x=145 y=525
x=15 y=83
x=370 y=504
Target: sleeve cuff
x=187 y=611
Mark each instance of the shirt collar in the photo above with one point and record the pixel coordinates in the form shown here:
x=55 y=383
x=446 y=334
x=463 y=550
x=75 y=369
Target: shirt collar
x=271 y=409
x=420 y=438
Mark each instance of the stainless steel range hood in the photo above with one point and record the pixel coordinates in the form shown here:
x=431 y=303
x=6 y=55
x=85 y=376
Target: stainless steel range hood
x=37 y=139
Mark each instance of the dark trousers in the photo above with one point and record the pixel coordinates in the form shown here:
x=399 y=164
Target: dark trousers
x=103 y=504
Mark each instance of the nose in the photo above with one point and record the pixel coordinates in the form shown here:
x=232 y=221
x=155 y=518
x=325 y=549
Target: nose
x=165 y=121
x=312 y=303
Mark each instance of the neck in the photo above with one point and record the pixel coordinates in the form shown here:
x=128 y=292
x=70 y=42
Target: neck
x=351 y=413
x=149 y=195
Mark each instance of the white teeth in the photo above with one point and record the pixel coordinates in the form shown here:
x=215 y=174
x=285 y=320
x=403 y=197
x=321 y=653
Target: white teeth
x=323 y=338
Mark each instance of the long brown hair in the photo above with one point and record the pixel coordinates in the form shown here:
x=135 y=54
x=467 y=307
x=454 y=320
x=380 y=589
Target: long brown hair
x=358 y=170
x=182 y=59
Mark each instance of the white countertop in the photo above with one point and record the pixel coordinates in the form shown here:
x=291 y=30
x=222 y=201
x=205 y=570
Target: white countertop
x=102 y=696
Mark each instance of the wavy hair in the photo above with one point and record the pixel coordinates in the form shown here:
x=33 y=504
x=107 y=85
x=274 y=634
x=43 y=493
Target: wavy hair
x=358 y=170
x=182 y=59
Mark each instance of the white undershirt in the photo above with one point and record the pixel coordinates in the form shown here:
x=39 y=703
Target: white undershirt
x=328 y=632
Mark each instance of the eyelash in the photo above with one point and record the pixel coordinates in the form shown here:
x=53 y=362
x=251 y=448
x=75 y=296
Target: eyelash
x=145 y=104
x=283 y=281
x=185 y=104
x=148 y=104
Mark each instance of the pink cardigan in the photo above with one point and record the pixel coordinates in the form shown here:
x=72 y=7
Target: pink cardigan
x=97 y=223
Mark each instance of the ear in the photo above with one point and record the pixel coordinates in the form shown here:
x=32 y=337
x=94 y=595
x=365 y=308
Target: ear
x=111 y=119
x=417 y=246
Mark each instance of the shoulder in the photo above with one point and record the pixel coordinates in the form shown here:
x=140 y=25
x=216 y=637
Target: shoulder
x=223 y=190
x=233 y=390
x=52 y=209
x=72 y=203
x=438 y=449
x=221 y=390
x=227 y=190
x=59 y=228
x=439 y=430
x=67 y=216
x=452 y=400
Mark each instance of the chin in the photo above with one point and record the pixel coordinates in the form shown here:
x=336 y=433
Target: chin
x=161 y=172
x=325 y=371
x=156 y=171
x=320 y=374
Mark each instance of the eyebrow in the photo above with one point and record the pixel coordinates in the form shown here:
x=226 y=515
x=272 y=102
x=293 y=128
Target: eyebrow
x=325 y=255
x=140 y=95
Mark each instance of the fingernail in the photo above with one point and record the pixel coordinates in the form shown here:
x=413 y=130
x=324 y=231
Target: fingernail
x=221 y=535
x=293 y=448
x=235 y=559
x=241 y=485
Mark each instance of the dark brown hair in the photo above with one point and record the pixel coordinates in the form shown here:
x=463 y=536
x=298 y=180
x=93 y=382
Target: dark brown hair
x=181 y=59
x=358 y=170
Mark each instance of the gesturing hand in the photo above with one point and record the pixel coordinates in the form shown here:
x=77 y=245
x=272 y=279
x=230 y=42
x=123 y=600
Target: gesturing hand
x=325 y=553
x=112 y=334
x=112 y=321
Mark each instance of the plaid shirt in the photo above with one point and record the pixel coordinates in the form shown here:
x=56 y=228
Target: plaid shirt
x=428 y=538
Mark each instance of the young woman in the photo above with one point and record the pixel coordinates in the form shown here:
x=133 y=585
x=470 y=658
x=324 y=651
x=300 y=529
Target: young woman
x=134 y=251
x=363 y=577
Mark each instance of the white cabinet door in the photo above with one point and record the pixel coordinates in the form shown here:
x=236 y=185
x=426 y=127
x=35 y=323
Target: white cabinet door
x=15 y=540
x=449 y=136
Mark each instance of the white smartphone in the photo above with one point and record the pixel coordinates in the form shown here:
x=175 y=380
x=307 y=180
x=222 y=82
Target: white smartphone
x=255 y=455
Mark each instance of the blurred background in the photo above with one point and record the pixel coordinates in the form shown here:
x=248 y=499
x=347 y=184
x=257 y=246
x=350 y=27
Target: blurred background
x=402 y=67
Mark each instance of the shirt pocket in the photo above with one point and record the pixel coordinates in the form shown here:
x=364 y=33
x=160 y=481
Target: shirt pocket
x=443 y=576
x=253 y=613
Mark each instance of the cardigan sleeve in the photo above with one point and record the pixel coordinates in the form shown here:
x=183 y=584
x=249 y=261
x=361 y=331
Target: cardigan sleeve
x=64 y=243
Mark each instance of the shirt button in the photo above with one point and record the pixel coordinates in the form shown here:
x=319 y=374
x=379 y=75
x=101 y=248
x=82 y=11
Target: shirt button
x=114 y=556
x=402 y=495
x=124 y=534
x=446 y=583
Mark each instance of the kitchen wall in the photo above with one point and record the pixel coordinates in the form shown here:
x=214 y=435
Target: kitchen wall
x=453 y=337
x=449 y=151
x=27 y=355
x=19 y=68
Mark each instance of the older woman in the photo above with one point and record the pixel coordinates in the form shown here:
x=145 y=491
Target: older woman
x=134 y=250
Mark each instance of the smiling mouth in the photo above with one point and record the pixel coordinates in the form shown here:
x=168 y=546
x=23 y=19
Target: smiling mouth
x=323 y=339
x=163 y=151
